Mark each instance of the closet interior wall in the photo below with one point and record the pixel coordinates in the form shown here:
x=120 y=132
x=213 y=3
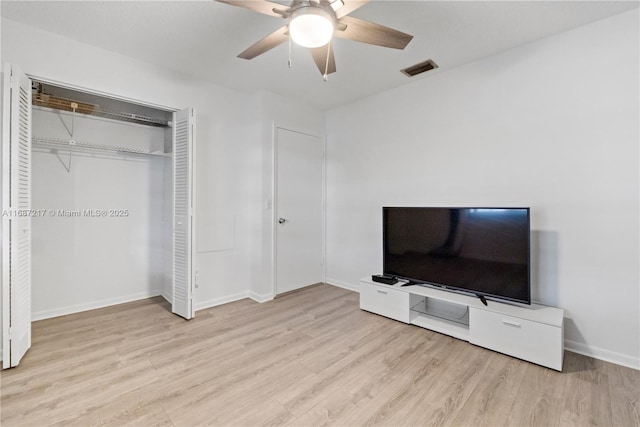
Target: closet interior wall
x=105 y=233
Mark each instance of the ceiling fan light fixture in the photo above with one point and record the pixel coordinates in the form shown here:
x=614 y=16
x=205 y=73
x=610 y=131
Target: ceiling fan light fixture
x=311 y=26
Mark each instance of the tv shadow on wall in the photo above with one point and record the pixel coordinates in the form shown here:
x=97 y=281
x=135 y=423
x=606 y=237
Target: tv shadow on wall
x=544 y=266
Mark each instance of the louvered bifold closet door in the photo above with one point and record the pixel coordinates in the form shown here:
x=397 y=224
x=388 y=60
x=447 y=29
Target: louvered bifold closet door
x=182 y=303
x=17 y=279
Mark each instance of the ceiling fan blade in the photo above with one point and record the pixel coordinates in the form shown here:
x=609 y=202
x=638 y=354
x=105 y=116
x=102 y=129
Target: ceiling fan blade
x=320 y=57
x=261 y=6
x=349 y=6
x=371 y=33
x=274 y=39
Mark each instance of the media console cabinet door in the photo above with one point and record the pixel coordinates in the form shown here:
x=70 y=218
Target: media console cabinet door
x=385 y=301
x=525 y=339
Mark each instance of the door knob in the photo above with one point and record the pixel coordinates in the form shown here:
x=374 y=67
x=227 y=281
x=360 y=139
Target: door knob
x=282 y=221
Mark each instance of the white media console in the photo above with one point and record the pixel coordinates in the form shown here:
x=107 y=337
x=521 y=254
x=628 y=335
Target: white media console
x=534 y=333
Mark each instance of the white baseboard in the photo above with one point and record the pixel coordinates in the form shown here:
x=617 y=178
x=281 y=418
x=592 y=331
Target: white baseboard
x=226 y=299
x=63 y=311
x=344 y=285
x=602 y=354
x=260 y=297
x=221 y=300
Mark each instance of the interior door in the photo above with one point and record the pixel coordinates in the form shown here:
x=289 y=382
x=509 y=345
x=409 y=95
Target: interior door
x=299 y=210
x=183 y=203
x=16 y=222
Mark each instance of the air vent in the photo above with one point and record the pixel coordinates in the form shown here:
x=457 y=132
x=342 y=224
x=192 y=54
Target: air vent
x=420 y=68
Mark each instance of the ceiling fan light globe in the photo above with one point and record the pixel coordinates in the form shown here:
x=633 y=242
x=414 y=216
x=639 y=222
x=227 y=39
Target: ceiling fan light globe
x=311 y=27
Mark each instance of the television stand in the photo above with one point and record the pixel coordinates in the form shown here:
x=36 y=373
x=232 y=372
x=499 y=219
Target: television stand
x=533 y=333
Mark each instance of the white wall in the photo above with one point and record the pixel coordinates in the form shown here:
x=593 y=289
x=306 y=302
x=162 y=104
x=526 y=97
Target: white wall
x=552 y=125
x=83 y=262
x=224 y=135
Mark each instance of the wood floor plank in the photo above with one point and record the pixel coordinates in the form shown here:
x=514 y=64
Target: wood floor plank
x=327 y=411
x=418 y=376
x=80 y=401
x=539 y=399
x=624 y=392
x=443 y=399
x=130 y=408
x=310 y=357
x=586 y=401
x=491 y=400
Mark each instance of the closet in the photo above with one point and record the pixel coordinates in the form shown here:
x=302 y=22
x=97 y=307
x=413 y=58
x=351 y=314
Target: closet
x=97 y=204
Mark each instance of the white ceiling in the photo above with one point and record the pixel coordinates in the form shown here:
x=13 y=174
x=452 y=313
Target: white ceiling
x=202 y=38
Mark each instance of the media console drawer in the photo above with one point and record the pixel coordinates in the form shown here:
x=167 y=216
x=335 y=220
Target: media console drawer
x=386 y=301
x=526 y=339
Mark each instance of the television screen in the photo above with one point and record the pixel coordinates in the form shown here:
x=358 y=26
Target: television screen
x=484 y=251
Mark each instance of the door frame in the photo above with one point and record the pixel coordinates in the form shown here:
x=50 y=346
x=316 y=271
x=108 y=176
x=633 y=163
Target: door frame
x=274 y=200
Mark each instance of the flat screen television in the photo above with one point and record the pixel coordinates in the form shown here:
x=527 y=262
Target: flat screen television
x=482 y=251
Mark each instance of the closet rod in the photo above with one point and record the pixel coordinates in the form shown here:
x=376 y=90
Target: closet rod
x=61 y=143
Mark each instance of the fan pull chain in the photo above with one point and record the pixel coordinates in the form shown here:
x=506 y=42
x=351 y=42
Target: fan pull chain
x=326 y=65
x=289 y=52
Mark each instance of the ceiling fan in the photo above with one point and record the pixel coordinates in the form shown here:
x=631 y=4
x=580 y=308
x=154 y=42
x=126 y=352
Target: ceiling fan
x=313 y=23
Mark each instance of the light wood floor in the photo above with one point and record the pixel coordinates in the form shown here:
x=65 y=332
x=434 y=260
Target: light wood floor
x=308 y=358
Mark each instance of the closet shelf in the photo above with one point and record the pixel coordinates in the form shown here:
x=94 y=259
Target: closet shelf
x=61 y=143
x=59 y=103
